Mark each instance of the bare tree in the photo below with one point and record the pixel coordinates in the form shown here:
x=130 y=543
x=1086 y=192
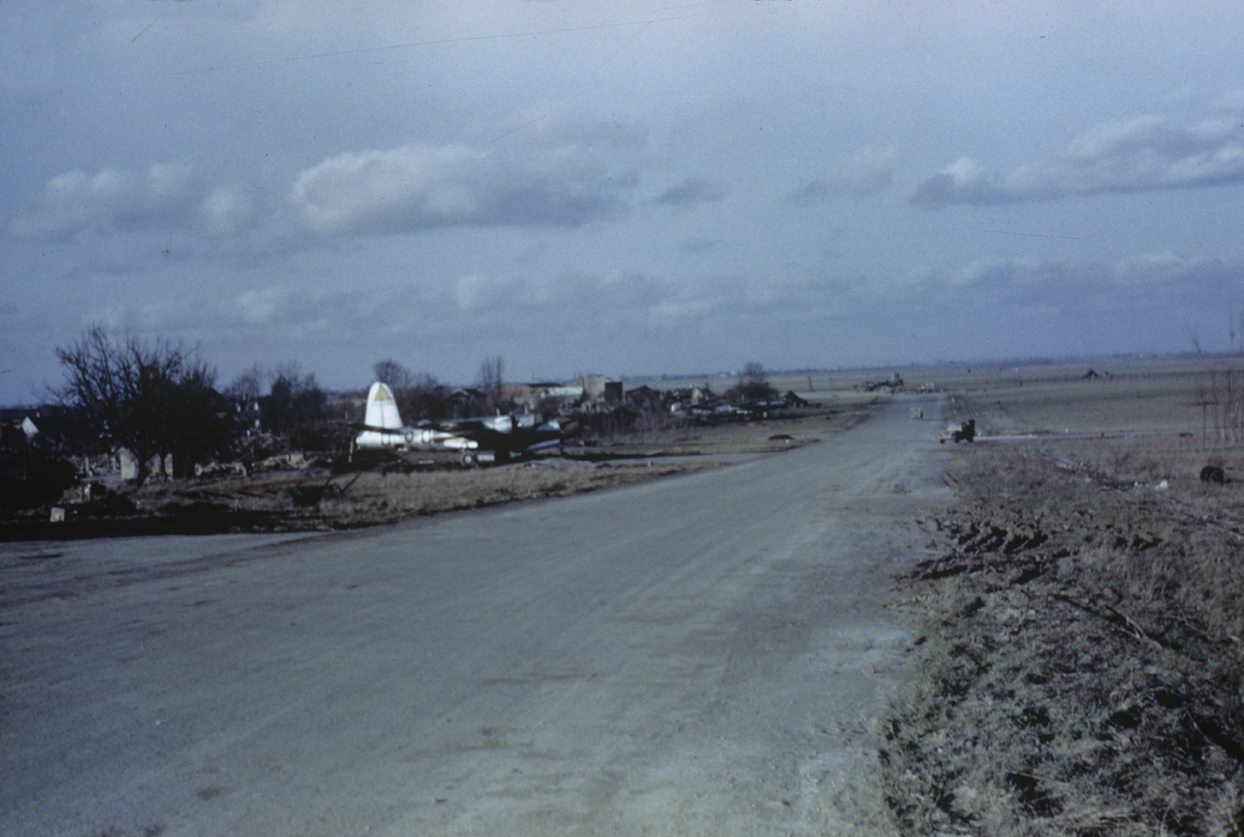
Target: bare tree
x=154 y=399
x=491 y=381
x=754 y=383
x=247 y=387
x=391 y=372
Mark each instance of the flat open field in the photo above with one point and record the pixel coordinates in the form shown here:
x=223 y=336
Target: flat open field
x=1081 y=617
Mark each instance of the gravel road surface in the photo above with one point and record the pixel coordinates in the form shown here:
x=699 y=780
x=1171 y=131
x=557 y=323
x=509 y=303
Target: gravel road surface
x=701 y=655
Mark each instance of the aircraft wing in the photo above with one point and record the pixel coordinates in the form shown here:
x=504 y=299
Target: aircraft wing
x=474 y=433
x=502 y=433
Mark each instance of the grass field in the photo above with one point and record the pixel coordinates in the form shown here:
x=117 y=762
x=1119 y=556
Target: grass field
x=1082 y=622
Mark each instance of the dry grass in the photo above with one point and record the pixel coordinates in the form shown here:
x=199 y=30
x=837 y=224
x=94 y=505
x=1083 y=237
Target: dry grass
x=1187 y=396
x=1082 y=665
x=371 y=498
x=319 y=500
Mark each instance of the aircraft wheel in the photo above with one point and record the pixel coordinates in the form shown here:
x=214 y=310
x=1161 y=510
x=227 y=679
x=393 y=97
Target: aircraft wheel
x=470 y=460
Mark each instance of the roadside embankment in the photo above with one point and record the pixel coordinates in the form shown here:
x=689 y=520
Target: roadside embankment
x=1082 y=667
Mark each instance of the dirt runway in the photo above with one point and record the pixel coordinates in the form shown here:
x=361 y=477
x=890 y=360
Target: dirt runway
x=705 y=654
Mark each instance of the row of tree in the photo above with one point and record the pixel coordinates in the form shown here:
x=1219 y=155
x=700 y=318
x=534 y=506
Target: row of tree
x=294 y=406
x=159 y=400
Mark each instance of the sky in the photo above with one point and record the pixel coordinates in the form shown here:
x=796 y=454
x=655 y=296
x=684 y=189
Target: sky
x=622 y=189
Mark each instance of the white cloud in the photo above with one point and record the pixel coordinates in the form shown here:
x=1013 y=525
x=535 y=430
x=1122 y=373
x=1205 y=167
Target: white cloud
x=676 y=310
x=227 y=210
x=1139 y=155
x=384 y=191
x=1156 y=287
x=1232 y=101
x=1174 y=273
x=566 y=180
x=110 y=199
x=476 y=290
x=153 y=316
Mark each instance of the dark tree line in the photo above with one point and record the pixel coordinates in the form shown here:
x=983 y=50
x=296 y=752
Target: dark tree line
x=295 y=408
x=159 y=399
x=293 y=404
x=155 y=398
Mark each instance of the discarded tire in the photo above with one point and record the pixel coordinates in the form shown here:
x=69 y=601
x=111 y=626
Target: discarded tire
x=1212 y=473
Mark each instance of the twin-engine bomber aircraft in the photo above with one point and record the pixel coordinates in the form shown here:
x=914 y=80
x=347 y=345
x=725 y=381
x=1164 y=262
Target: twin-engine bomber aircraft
x=488 y=438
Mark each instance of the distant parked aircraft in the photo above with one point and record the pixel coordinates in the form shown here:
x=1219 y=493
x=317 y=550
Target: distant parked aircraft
x=762 y=407
x=497 y=438
x=894 y=383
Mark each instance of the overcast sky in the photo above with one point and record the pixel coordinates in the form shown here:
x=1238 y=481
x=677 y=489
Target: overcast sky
x=618 y=188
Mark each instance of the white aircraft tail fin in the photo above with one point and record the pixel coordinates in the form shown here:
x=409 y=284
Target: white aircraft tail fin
x=382 y=408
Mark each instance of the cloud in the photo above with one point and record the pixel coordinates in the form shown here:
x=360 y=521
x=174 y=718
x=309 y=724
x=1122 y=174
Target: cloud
x=227 y=211
x=479 y=291
x=110 y=199
x=868 y=170
x=1021 y=283
x=260 y=306
x=1144 y=154
x=690 y=192
x=564 y=181
x=1232 y=101
x=678 y=310
x=964 y=181
x=1153 y=287
x=1177 y=276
